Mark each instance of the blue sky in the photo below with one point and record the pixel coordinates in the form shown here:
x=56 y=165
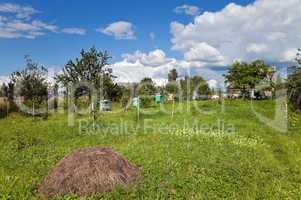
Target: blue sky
x=149 y=37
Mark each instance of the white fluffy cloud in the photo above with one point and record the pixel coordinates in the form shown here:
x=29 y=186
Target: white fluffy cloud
x=266 y=29
x=16 y=22
x=154 y=58
x=204 y=53
x=187 y=9
x=212 y=83
x=120 y=30
x=21 y=12
x=156 y=65
x=76 y=31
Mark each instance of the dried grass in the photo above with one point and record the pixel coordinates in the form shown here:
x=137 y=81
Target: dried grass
x=89 y=171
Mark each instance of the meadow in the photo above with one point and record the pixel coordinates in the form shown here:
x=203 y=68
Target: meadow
x=205 y=153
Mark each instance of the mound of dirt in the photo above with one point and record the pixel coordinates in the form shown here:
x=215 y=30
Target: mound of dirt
x=89 y=171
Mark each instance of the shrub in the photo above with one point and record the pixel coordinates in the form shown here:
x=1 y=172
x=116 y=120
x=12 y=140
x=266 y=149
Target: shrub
x=146 y=101
x=125 y=101
x=7 y=107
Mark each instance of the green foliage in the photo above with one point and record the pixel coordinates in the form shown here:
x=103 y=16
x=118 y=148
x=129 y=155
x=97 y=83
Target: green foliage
x=125 y=101
x=146 y=87
x=92 y=68
x=3 y=90
x=172 y=75
x=7 y=90
x=194 y=85
x=245 y=76
x=7 y=106
x=55 y=95
x=31 y=82
x=4 y=107
x=115 y=91
x=298 y=58
x=146 y=100
x=172 y=87
x=146 y=91
x=294 y=83
x=199 y=85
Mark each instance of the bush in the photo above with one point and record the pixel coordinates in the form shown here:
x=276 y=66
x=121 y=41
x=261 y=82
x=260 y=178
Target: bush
x=146 y=101
x=125 y=101
x=3 y=108
x=7 y=107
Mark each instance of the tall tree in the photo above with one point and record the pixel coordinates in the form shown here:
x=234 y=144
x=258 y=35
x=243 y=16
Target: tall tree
x=200 y=86
x=146 y=87
x=146 y=90
x=31 y=81
x=294 y=82
x=194 y=85
x=3 y=90
x=172 y=75
x=172 y=86
x=246 y=76
x=92 y=67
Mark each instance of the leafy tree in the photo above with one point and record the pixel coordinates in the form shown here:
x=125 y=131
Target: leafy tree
x=91 y=67
x=115 y=92
x=3 y=90
x=9 y=91
x=146 y=91
x=146 y=87
x=199 y=85
x=294 y=82
x=244 y=76
x=190 y=85
x=172 y=87
x=185 y=85
x=31 y=82
x=8 y=106
x=55 y=95
x=172 y=75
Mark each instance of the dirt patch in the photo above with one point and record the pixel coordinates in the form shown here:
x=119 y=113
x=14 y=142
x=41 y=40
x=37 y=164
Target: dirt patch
x=89 y=171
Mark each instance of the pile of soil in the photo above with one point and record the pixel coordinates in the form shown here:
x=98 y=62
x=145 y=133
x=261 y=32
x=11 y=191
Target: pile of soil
x=89 y=171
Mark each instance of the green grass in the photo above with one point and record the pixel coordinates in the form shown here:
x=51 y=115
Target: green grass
x=178 y=162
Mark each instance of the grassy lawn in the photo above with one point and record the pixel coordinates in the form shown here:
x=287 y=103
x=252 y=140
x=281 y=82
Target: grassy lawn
x=252 y=161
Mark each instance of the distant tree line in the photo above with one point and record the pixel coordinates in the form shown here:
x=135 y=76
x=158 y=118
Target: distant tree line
x=93 y=67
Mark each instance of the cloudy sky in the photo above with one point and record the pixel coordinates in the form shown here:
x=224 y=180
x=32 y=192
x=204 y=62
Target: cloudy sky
x=148 y=38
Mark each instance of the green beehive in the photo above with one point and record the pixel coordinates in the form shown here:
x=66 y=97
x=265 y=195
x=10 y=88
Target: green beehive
x=158 y=98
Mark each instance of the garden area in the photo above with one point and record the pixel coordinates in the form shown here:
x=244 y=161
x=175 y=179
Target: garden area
x=224 y=153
